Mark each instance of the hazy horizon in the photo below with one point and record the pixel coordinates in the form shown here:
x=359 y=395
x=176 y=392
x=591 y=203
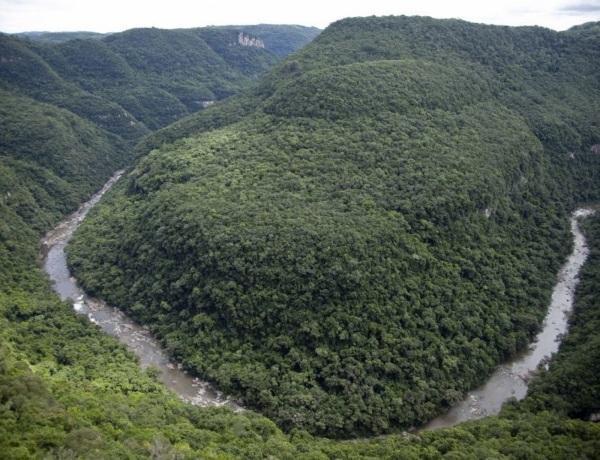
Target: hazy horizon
x=112 y=16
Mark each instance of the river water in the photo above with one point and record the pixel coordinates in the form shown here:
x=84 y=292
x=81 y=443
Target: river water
x=116 y=323
x=508 y=381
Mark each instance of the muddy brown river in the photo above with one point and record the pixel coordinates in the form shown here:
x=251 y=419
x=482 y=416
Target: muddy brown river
x=508 y=381
x=115 y=322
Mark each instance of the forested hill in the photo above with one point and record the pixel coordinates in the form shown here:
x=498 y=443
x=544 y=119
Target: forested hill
x=138 y=80
x=71 y=112
x=58 y=37
x=67 y=390
x=280 y=39
x=360 y=239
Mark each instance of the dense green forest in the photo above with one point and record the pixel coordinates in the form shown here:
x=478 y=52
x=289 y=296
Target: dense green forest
x=346 y=235
x=69 y=391
x=361 y=238
x=142 y=79
x=59 y=37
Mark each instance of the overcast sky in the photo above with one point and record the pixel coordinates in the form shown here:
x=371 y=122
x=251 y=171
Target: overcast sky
x=117 y=15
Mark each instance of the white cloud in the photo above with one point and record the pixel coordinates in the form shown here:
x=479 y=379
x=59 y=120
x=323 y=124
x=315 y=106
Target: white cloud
x=115 y=15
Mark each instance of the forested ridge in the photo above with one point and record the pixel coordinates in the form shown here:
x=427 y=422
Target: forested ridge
x=142 y=79
x=361 y=238
x=58 y=37
x=71 y=112
x=312 y=206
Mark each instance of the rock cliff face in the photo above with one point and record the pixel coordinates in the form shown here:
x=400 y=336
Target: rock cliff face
x=247 y=40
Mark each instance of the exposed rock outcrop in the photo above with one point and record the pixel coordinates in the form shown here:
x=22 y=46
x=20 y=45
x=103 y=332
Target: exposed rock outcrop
x=247 y=40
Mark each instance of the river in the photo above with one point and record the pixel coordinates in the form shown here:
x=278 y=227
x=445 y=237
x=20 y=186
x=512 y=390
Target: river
x=115 y=322
x=508 y=381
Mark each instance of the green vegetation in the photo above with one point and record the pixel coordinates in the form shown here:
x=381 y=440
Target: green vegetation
x=359 y=240
x=59 y=37
x=51 y=160
x=350 y=245
x=69 y=391
x=570 y=385
x=142 y=79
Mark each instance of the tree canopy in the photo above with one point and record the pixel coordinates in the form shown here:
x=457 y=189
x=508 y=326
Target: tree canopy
x=356 y=242
x=348 y=246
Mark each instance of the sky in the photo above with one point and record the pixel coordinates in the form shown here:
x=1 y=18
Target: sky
x=117 y=15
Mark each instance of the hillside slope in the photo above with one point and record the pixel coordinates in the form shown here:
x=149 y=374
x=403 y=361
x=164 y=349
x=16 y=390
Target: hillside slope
x=142 y=79
x=360 y=239
x=58 y=37
x=52 y=159
x=71 y=113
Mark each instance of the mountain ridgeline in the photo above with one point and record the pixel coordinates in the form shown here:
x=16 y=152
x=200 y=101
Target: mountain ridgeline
x=353 y=243
x=138 y=80
x=58 y=37
x=72 y=111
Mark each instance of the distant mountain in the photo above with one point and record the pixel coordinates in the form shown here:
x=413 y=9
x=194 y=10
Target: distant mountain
x=279 y=39
x=142 y=79
x=59 y=37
